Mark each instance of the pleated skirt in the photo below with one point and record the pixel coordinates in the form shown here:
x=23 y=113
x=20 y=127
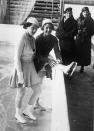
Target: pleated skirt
x=31 y=77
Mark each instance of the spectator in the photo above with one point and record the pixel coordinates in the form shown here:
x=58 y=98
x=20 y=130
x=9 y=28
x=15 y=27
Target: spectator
x=65 y=32
x=83 y=39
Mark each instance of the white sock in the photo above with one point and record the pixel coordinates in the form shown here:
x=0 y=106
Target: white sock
x=18 y=110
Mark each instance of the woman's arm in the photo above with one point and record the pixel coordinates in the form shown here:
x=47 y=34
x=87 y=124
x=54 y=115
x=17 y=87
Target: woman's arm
x=59 y=31
x=19 y=50
x=73 y=31
x=57 y=51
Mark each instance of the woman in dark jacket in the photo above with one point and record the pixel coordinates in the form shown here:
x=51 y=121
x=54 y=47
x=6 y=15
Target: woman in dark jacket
x=65 y=33
x=45 y=42
x=83 y=39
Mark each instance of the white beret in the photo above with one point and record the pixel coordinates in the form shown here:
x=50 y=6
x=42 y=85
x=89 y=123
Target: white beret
x=32 y=20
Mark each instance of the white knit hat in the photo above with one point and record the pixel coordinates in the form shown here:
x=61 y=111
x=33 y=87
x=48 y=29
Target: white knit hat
x=32 y=20
x=47 y=21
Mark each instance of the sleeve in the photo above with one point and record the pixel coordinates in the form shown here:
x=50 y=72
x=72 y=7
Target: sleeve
x=57 y=50
x=73 y=32
x=19 y=50
x=37 y=45
x=34 y=49
x=33 y=45
x=59 y=31
x=91 y=27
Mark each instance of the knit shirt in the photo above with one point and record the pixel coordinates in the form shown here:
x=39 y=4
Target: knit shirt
x=24 y=52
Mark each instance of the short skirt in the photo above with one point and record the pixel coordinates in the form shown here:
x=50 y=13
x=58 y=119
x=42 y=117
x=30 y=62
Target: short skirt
x=31 y=77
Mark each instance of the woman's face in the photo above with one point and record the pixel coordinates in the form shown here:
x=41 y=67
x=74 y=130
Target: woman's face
x=85 y=14
x=68 y=14
x=47 y=29
x=32 y=29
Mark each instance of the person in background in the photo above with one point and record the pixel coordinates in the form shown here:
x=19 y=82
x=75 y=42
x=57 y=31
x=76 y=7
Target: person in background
x=66 y=32
x=45 y=42
x=83 y=39
x=25 y=74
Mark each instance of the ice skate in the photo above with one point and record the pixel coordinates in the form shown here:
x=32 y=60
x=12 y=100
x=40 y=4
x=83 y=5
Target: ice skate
x=20 y=119
x=69 y=69
x=28 y=113
x=72 y=68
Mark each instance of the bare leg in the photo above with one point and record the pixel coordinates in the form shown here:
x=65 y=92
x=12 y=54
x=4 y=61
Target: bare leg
x=35 y=95
x=29 y=109
x=18 y=104
x=19 y=97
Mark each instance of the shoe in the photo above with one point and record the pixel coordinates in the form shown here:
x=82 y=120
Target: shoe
x=20 y=119
x=29 y=114
x=72 y=68
x=39 y=107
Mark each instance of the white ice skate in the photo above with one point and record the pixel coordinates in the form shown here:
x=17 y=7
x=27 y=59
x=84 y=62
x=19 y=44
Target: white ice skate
x=28 y=113
x=20 y=119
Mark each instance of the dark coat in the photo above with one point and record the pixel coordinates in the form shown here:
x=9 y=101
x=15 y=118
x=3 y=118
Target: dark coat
x=65 y=33
x=43 y=47
x=83 y=40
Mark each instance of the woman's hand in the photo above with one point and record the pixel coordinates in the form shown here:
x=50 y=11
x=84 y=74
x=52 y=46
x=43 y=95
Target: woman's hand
x=59 y=61
x=20 y=77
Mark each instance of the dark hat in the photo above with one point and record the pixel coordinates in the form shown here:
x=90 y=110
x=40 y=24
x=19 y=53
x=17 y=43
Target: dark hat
x=85 y=9
x=69 y=9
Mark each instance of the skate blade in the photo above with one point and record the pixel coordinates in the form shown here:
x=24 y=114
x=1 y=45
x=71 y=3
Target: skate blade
x=73 y=69
x=28 y=117
x=70 y=73
x=18 y=122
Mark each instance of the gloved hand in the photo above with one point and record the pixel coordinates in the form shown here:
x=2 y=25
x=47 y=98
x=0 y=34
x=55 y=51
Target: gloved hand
x=20 y=77
x=58 y=61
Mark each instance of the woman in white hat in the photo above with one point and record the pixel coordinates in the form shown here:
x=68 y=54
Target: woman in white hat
x=45 y=42
x=25 y=74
